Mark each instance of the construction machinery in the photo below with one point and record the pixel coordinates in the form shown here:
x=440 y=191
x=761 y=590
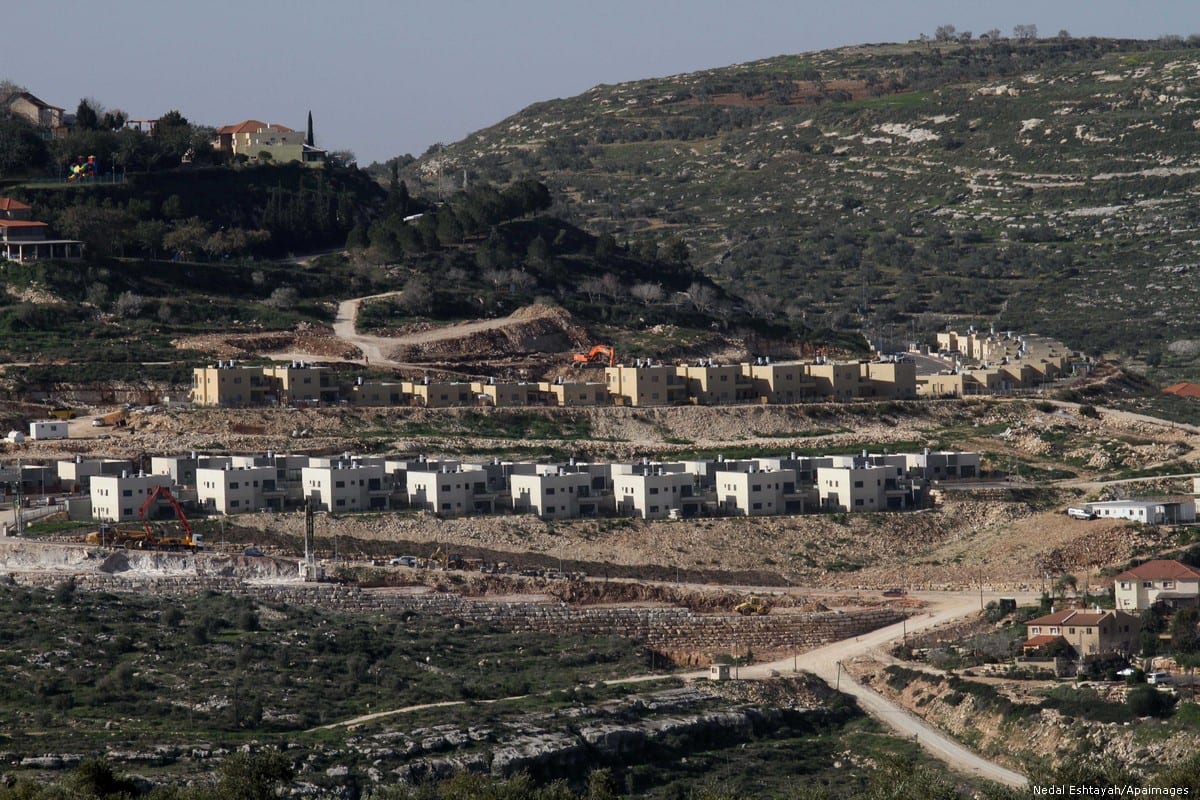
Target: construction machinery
x=147 y=538
x=600 y=355
x=752 y=608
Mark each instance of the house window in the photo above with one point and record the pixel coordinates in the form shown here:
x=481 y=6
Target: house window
x=1147 y=584
x=550 y=491
x=653 y=509
x=549 y=509
x=127 y=493
x=233 y=485
x=234 y=503
x=858 y=484
x=1124 y=584
x=341 y=501
x=1071 y=630
x=339 y=484
x=653 y=490
x=756 y=487
x=1168 y=584
x=858 y=502
x=757 y=506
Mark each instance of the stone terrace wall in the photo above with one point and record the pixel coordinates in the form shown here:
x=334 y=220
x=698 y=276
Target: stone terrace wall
x=682 y=635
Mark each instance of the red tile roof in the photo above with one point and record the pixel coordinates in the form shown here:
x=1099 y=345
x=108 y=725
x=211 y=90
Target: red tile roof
x=21 y=223
x=8 y=204
x=1183 y=390
x=1160 y=569
x=252 y=126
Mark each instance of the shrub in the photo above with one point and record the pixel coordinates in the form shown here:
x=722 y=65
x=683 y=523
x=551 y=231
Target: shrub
x=1146 y=701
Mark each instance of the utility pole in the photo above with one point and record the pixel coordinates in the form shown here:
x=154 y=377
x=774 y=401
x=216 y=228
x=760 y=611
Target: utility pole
x=19 y=512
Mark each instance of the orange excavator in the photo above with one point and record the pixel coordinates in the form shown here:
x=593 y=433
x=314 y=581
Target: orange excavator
x=597 y=356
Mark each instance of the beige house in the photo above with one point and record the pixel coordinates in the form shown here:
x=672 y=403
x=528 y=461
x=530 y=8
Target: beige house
x=438 y=394
x=506 y=394
x=833 y=380
x=710 y=384
x=1087 y=632
x=574 y=393
x=894 y=380
x=379 y=393
x=33 y=110
x=1162 y=580
x=340 y=485
x=300 y=383
x=786 y=382
x=646 y=385
x=229 y=384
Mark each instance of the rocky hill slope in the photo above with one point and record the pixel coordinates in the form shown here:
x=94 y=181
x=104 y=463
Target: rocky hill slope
x=1042 y=185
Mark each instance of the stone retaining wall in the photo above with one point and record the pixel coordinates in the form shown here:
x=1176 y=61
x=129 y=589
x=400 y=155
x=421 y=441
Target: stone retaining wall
x=679 y=634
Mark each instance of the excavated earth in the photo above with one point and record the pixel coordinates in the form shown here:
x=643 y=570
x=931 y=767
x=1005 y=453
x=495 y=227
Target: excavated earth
x=1007 y=534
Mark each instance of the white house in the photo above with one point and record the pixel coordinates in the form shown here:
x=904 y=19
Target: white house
x=449 y=491
x=346 y=486
x=119 y=498
x=48 y=429
x=237 y=490
x=753 y=493
x=553 y=494
x=1150 y=512
x=656 y=495
x=1170 y=582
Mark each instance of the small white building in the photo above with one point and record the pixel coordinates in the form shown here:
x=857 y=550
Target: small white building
x=553 y=494
x=48 y=429
x=1150 y=512
x=119 y=498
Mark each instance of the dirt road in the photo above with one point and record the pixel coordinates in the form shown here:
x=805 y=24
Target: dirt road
x=375 y=348
x=825 y=662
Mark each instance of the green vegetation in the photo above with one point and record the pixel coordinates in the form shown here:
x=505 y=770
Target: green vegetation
x=227 y=667
x=889 y=188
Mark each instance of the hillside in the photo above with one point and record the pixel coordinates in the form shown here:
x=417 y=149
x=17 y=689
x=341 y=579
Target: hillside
x=1039 y=185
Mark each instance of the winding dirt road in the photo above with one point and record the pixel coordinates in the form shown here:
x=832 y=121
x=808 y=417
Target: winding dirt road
x=825 y=662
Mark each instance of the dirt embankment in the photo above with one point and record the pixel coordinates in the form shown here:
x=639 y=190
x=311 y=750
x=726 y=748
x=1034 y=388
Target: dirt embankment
x=1045 y=736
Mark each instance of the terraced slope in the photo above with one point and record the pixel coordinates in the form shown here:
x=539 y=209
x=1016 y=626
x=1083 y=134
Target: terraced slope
x=1044 y=185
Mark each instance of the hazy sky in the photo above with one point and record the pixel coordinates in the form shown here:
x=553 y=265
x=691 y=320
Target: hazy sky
x=385 y=77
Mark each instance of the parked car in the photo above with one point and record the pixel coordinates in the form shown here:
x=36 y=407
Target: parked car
x=98 y=422
x=1158 y=678
x=1080 y=513
x=253 y=551
x=894 y=593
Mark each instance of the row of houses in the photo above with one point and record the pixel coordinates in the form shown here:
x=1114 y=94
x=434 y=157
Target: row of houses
x=644 y=383
x=995 y=363
x=232 y=484
x=1090 y=631
x=229 y=384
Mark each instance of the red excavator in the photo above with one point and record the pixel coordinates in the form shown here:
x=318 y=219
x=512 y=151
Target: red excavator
x=189 y=540
x=147 y=539
x=599 y=356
